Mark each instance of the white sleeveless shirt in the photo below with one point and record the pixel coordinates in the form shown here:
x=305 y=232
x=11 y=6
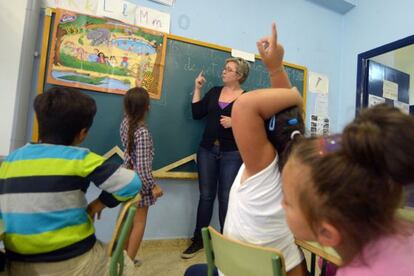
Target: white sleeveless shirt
x=255 y=214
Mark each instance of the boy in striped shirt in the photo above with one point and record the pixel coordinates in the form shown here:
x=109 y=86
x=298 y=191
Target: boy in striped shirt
x=48 y=223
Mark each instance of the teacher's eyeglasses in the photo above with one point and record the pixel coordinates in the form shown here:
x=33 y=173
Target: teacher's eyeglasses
x=229 y=70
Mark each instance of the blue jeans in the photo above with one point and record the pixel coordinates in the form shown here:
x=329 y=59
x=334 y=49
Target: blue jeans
x=216 y=172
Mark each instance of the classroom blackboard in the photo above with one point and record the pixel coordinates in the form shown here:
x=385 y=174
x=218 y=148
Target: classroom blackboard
x=176 y=135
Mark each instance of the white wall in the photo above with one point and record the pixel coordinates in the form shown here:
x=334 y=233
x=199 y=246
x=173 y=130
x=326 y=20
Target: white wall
x=12 y=16
x=18 y=28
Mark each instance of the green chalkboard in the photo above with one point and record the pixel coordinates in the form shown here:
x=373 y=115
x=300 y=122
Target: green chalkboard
x=176 y=135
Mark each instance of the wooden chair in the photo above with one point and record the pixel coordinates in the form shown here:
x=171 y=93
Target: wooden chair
x=235 y=258
x=120 y=236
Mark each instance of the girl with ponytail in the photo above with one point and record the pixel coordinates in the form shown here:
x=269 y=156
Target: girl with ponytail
x=344 y=190
x=139 y=154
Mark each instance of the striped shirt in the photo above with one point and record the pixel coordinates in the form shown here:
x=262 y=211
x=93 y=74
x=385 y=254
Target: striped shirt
x=43 y=204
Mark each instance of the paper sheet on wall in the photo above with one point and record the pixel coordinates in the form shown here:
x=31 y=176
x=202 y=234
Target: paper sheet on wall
x=319 y=125
x=321 y=105
x=110 y=5
x=374 y=100
x=318 y=83
x=152 y=19
x=405 y=108
x=165 y=2
x=121 y=10
x=390 y=90
x=80 y=6
x=124 y=11
x=243 y=55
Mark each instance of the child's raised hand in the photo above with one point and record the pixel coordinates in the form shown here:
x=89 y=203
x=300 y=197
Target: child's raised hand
x=95 y=208
x=157 y=191
x=271 y=52
x=200 y=80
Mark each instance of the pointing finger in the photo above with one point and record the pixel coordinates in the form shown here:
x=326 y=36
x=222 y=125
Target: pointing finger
x=274 y=33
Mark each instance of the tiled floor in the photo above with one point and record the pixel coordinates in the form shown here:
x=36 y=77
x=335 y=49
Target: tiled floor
x=163 y=258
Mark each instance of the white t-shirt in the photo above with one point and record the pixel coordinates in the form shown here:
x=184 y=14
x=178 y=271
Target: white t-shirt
x=255 y=214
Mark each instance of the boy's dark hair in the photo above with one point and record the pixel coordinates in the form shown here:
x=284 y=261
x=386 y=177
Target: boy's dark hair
x=136 y=102
x=62 y=113
x=283 y=130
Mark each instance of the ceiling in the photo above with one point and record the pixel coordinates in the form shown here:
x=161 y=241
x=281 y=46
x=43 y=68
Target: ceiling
x=339 y=6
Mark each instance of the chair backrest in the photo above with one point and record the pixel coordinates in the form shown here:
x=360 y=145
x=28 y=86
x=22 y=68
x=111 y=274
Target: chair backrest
x=120 y=236
x=406 y=214
x=233 y=257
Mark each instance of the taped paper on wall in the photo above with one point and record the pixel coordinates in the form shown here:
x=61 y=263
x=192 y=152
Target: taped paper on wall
x=123 y=11
x=243 y=55
x=321 y=105
x=390 y=90
x=405 y=108
x=318 y=83
x=374 y=100
x=165 y=2
x=319 y=125
x=80 y=6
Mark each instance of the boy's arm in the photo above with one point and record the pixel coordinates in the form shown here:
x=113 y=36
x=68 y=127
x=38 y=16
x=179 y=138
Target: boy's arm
x=118 y=184
x=95 y=208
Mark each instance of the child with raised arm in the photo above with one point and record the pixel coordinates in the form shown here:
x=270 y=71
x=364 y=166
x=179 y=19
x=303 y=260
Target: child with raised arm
x=265 y=123
x=43 y=186
x=344 y=190
x=139 y=154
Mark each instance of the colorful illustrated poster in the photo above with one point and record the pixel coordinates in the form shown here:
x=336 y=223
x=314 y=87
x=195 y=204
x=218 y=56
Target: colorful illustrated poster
x=105 y=55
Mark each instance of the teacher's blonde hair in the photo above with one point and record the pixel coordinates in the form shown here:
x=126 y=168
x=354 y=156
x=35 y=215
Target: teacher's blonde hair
x=242 y=69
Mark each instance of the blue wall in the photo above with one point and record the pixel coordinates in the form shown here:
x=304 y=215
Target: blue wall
x=310 y=35
x=320 y=39
x=173 y=216
x=371 y=24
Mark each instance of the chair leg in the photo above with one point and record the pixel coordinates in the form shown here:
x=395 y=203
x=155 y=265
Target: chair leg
x=277 y=266
x=313 y=261
x=117 y=259
x=323 y=270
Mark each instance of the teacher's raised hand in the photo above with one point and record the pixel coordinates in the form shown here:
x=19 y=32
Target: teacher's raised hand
x=200 y=80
